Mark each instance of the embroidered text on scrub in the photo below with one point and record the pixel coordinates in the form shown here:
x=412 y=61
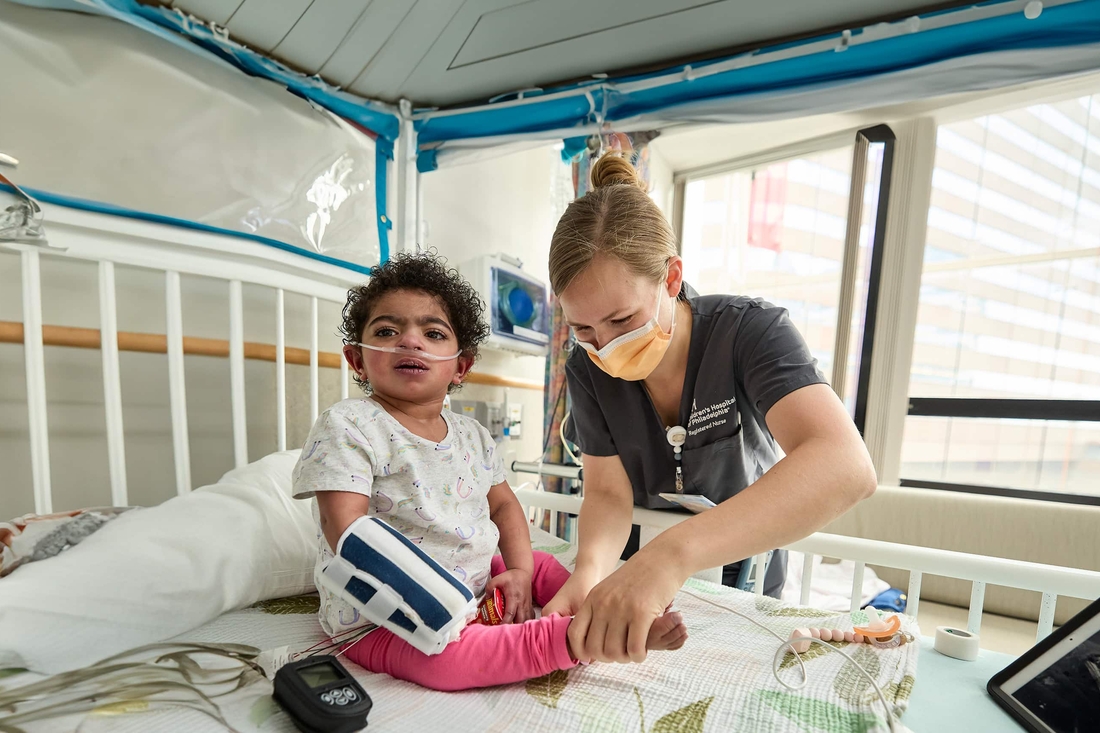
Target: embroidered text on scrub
x=414 y=353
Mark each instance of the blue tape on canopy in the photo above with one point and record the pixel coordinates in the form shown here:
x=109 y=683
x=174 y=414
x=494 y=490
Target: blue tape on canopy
x=1072 y=24
x=98 y=207
x=383 y=154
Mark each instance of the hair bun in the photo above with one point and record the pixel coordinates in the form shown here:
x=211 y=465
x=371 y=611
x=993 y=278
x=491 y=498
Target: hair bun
x=612 y=169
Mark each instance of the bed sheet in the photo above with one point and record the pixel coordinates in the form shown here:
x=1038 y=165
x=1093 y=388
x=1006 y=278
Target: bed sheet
x=720 y=681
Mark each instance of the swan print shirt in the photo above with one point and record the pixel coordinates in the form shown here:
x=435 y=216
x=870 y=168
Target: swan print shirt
x=433 y=493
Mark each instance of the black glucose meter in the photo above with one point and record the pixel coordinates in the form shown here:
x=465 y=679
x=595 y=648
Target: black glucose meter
x=321 y=697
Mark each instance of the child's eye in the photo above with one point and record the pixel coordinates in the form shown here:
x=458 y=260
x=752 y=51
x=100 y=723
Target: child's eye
x=385 y=332
x=436 y=335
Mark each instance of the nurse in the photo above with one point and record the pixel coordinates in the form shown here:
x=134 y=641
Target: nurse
x=674 y=392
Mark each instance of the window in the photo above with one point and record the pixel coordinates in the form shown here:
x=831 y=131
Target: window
x=1005 y=382
x=780 y=231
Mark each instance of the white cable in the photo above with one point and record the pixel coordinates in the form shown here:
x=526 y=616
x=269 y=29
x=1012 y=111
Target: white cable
x=788 y=645
x=564 y=442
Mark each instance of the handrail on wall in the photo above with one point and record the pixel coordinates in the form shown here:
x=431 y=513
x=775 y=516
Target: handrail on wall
x=11 y=332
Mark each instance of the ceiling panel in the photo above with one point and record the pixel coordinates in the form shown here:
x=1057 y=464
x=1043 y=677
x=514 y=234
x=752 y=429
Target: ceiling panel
x=380 y=19
x=214 y=11
x=527 y=25
x=319 y=32
x=446 y=52
x=264 y=23
x=384 y=77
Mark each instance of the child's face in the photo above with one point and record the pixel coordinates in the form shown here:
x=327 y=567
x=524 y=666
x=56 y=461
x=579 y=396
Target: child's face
x=409 y=319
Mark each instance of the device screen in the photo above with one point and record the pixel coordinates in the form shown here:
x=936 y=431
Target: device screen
x=1065 y=695
x=319 y=675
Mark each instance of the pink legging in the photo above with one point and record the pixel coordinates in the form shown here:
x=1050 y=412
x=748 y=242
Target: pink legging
x=483 y=656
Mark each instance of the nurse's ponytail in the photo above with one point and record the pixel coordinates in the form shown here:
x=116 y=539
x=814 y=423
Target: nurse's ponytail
x=617 y=218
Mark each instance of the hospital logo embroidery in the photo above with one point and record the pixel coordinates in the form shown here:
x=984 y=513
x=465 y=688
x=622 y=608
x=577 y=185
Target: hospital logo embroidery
x=711 y=416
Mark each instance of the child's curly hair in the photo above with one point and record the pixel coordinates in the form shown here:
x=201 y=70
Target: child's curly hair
x=426 y=272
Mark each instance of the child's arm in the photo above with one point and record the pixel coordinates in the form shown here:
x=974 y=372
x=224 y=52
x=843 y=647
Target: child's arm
x=515 y=549
x=338 y=510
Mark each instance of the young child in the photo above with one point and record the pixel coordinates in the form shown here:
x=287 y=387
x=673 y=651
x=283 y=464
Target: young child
x=435 y=477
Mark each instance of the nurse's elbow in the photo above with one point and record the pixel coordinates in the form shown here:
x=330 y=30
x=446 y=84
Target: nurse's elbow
x=865 y=480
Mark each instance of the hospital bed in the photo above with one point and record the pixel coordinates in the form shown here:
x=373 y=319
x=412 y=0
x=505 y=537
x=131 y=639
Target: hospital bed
x=716 y=666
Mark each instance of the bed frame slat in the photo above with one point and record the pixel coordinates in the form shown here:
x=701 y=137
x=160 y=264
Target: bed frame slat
x=857 y=586
x=176 y=388
x=314 y=387
x=236 y=373
x=977 y=604
x=280 y=368
x=1046 y=616
x=35 y=359
x=112 y=384
x=760 y=571
x=912 y=598
x=807 y=578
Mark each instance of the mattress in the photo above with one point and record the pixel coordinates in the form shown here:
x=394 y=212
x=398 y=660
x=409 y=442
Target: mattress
x=721 y=680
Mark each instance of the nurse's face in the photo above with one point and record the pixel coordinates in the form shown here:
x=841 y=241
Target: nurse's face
x=608 y=299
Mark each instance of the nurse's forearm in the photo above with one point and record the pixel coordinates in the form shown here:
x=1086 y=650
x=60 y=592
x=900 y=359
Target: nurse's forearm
x=815 y=484
x=603 y=529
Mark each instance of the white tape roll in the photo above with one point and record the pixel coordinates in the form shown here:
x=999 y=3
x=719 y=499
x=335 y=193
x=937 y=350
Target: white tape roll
x=957 y=643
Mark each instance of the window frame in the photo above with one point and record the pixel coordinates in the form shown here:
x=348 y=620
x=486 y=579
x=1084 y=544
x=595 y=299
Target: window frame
x=862 y=138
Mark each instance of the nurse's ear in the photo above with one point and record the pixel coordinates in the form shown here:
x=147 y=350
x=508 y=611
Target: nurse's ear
x=675 y=278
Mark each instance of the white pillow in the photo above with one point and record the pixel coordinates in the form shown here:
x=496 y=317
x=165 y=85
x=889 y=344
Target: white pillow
x=154 y=573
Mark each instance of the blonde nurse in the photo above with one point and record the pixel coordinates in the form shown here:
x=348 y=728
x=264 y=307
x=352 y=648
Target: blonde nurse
x=673 y=392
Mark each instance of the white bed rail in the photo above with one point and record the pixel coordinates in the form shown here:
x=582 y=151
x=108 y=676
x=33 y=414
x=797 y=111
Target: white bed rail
x=1049 y=580
x=111 y=242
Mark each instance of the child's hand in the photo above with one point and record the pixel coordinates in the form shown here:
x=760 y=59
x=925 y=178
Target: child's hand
x=515 y=586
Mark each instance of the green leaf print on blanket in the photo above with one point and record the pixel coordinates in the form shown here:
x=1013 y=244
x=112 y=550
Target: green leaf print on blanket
x=813 y=715
x=851 y=685
x=548 y=688
x=799 y=612
x=687 y=719
x=815 y=651
x=900 y=691
x=303 y=605
x=559 y=549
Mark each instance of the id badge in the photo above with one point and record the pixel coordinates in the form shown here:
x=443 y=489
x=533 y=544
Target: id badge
x=694 y=503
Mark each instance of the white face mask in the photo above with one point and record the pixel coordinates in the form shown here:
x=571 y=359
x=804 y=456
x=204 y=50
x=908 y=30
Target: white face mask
x=414 y=353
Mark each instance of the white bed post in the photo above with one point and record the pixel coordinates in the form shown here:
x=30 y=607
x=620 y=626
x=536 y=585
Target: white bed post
x=407 y=185
x=236 y=373
x=112 y=383
x=344 y=372
x=977 y=604
x=176 y=387
x=280 y=368
x=807 y=578
x=1046 y=616
x=314 y=386
x=912 y=598
x=35 y=359
x=857 y=586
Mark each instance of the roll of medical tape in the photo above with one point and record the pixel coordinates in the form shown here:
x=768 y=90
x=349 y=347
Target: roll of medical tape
x=956 y=643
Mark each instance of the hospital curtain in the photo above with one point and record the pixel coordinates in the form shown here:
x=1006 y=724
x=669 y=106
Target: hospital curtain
x=556 y=396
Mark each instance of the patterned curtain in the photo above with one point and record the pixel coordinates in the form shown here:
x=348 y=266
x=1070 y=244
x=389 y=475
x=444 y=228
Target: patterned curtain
x=556 y=396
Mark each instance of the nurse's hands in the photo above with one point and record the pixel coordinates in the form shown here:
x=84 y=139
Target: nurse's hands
x=614 y=622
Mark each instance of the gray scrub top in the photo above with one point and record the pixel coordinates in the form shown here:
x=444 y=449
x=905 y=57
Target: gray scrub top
x=745 y=355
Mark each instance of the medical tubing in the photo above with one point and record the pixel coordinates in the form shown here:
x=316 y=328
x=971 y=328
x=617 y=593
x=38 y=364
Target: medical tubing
x=414 y=353
x=788 y=645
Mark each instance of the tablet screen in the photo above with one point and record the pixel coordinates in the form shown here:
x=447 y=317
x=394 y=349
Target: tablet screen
x=1061 y=688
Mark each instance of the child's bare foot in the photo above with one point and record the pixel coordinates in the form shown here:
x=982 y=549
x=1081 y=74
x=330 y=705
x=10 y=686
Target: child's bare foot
x=667 y=633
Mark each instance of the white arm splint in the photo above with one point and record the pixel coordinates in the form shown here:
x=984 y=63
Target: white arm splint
x=396 y=585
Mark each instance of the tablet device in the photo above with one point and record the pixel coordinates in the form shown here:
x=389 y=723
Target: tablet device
x=1055 y=686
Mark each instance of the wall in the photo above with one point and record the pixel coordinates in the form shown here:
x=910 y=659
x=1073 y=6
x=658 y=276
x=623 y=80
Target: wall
x=507 y=204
